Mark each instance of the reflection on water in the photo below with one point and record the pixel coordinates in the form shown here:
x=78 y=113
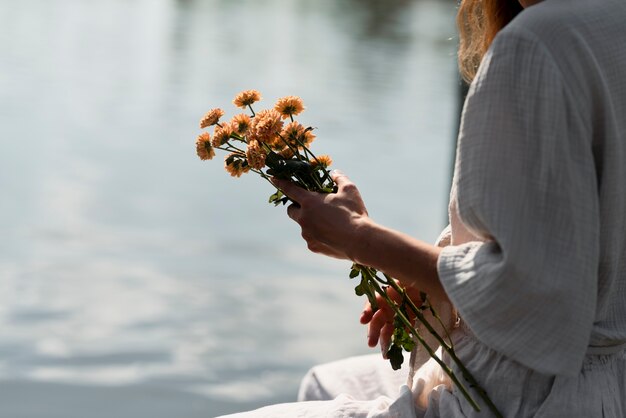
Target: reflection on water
x=137 y=280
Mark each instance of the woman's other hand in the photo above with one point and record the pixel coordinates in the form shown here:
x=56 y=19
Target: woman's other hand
x=380 y=322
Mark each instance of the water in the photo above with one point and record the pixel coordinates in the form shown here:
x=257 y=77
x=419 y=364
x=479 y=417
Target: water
x=136 y=280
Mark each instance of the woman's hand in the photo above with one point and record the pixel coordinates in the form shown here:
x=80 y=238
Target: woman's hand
x=380 y=323
x=330 y=221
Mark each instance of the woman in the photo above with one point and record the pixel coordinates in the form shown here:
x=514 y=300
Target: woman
x=537 y=261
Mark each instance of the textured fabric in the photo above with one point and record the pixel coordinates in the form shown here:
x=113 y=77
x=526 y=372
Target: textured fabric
x=343 y=406
x=537 y=265
x=361 y=377
x=596 y=392
x=540 y=182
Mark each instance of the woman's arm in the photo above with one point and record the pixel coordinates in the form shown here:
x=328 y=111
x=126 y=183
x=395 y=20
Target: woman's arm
x=338 y=225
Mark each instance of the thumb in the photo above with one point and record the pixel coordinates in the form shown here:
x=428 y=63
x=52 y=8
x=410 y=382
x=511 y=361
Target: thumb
x=339 y=177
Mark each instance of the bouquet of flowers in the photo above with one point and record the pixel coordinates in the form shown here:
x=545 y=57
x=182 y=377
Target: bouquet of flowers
x=281 y=149
x=271 y=143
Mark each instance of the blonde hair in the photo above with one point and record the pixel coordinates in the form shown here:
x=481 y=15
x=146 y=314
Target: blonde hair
x=478 y=22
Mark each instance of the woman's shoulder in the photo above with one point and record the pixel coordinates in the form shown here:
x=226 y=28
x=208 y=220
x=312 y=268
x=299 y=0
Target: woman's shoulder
x=558 y=23
x=571 y=33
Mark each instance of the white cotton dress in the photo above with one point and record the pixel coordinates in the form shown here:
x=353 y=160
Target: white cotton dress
x=537 y=261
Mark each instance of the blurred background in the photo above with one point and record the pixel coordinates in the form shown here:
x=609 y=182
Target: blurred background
x=139 y=281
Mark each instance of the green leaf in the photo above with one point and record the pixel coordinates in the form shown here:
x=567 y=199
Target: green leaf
x=354 y=273
x=359 y=290
x=276 y=196
x=272 y=158
x=408 y=345
x=371 y=297
x=395 y=356
x=404 y=339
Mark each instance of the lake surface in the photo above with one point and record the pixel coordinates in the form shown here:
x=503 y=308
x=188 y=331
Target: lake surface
x=139 y=281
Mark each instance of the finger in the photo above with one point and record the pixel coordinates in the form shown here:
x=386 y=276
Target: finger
x=393 y=294
x=367 y=314
x=339 y=177
x=368 y=311
x=385 y=335
x=376 y=324
x=384 y=346
x=385 y=338
x=293 y=191
x=293 y=211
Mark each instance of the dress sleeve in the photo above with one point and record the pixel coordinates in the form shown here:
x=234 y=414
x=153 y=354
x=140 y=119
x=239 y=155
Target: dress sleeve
x=526 y=183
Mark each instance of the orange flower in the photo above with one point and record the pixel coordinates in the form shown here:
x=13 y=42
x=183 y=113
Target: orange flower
x=211 y=118
x=255 y=155
x=277 y=145
x=289 y=106
x=292 y=133
x=246 y=98
x=203 y=146
x=295 y=133
x=222 y=134
x=309 y=136
x=241 y=123
x=236 y=165
x=266 y=126
x=287 y=153
x=323 y=160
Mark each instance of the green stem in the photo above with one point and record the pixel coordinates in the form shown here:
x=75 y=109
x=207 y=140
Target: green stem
x=267 y=178
x=307 y=150
x=299 y=157
x=267 y=147
x=426 y=301
x=467 y=375
x=294 y=150
x=302 y=183
x=262 y=174
x=434 y=313
x=393 y=305
x=235 y=149
x=232 y=149
x=238 y=137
